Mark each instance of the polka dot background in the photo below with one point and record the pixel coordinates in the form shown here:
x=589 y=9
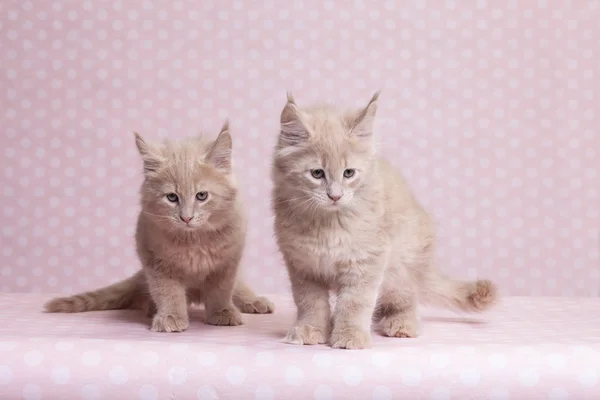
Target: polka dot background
x=526 y=348
x=490 y=108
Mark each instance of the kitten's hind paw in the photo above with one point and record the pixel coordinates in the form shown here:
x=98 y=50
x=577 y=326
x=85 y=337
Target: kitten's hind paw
x=350 y=338
x=305 y=334
x=225 y=317
x=400 y=327
x=169 y=323
x=259 y=305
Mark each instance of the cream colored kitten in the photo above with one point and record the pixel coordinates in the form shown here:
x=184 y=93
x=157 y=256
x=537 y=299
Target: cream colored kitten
x=346 y=221
x=190 y=238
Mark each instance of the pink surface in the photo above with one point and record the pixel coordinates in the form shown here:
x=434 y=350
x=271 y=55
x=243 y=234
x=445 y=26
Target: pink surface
x=527 y=348
x=490 y=107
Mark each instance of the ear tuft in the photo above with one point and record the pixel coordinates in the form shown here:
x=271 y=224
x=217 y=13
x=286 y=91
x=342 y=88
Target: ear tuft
x=293 y=130
x=290 y=98
x=150 y=155
x=361 y=125
x=220 y=153
x=225 y=127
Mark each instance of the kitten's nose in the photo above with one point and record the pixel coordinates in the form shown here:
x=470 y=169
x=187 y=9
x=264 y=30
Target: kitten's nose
x=334 y=197
x=185 y=219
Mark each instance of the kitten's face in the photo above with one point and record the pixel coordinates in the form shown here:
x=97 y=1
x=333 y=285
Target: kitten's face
x=325 y=155
x=187 y=185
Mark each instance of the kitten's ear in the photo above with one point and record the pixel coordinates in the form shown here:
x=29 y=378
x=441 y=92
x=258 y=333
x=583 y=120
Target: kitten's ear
x=293 y=130
x=150 y=154
x=219 y=154
x=361 y=122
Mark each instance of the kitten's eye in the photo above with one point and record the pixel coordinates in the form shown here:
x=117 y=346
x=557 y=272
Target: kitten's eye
x=317 y=173
x=201 y=196
x=349 y=173
x=172 y=197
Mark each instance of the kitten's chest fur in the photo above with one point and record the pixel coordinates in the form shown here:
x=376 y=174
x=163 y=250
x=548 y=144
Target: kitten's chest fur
x=188 y=259
x=328 y=250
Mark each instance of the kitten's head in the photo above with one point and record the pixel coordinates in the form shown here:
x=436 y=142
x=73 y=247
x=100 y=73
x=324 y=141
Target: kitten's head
x=188 y=184
x=324 y=155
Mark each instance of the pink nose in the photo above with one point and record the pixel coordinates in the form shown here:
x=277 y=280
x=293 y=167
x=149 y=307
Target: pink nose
x=334 y=198
x=185 y=219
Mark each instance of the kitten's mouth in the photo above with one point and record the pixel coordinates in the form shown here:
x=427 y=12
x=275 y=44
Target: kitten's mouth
x=332 y=206
x=188 y=227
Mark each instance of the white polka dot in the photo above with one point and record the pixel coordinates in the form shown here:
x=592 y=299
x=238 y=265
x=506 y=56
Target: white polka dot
x=64 y=346
x=322 y=359
x=7 y=346
x=440 y=393
x=61 y=375
x=294 y=376
x=264 y=359
x=323 y=392
x=439 y=360
x=118 y=375
x=148 y=392
x=470 y=377
x=352 y=376
x=556 y=361
x=32 y=392
x=381 y=360
x=264 y=392
x=177 y=375
x=589 y=377
x=382 y=393
x=149 y=358
x=558 y=394
x=33 y=357
x=499 y=394
x=498 y=360
x=207 y=358
x=410 y=376
x=207 y=392
x=236 y=375
x=6 y=374
x=91 y=358
x=91 y=392
x=529 y=377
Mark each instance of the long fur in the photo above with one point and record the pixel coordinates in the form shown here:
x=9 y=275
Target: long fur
x=190 y=249
x=374 y=247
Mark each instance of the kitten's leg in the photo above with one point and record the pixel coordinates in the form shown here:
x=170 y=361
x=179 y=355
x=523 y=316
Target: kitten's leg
x=150 y=308
x=218 y=302
x=397 y=312
x=313 y=324
x=355 y=305
x=171 y=304
x=248 y=302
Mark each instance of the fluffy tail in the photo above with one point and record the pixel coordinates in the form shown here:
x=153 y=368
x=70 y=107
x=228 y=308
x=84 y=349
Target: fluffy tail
x=123 y=294
x=469 y=296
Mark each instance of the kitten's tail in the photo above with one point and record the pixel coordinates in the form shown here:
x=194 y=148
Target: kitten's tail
x=123 y=294
x=469 y=296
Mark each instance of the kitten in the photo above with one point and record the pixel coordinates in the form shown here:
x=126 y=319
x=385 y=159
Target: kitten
x=190 y=237
x=345 y=220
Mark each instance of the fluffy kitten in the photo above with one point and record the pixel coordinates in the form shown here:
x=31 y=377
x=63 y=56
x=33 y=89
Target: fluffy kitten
x=190 y=237
x=345 y=220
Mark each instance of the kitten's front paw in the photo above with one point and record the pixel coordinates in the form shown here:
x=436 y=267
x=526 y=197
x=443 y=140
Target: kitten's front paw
x=305 y=334
x=225 y=317
x=169 y=323
x=350 y=338
x=260 y=305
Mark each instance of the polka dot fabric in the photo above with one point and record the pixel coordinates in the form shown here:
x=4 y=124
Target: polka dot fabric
x=489 y=107
x=527 y=348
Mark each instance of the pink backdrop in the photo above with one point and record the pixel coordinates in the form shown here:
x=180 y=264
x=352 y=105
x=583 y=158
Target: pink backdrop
x=491 y=108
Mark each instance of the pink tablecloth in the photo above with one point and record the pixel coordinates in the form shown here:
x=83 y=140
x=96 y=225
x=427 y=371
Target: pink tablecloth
x=527 y=348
